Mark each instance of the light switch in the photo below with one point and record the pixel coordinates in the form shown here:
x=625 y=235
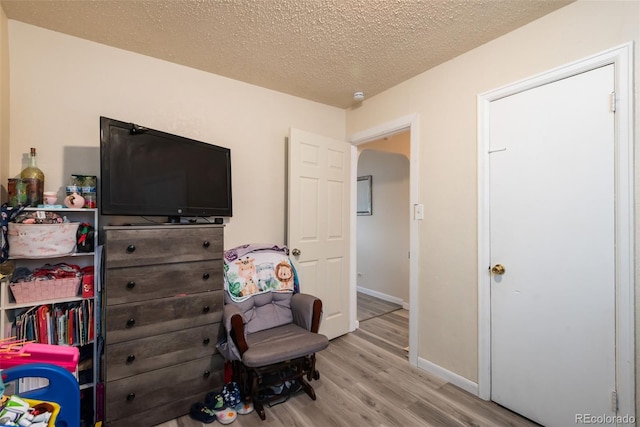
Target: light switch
x=418 y=211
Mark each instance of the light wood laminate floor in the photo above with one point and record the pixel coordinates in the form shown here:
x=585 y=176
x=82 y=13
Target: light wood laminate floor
x=369 y=307
x=365 y=380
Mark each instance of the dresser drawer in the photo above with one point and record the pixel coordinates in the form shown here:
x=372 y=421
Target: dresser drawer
x=133 y=395
x=159 y=351
x=179 y=406
x=146 y=318
x=162 y=244
x=130 y=284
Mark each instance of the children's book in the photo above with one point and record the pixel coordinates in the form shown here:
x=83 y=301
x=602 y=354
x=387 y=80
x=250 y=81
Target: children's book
x=43 y=324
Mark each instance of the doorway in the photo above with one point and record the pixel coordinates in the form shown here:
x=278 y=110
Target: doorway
x=383 y=241
x=408 y=125
x=555 y=249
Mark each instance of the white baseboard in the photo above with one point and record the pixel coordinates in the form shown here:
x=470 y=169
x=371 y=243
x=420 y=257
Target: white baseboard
x=447 y=375
x=385 y=297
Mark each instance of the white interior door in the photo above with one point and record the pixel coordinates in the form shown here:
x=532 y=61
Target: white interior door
x=318 y=223
x=552 y=228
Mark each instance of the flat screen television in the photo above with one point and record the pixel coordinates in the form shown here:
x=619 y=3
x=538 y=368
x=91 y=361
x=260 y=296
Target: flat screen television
x=147 y=172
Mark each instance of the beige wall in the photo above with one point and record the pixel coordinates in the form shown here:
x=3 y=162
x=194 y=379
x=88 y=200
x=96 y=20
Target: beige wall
x=4 y=104
x=61 y=85
x=397 y=143
x=383 y=237
x=445 y=100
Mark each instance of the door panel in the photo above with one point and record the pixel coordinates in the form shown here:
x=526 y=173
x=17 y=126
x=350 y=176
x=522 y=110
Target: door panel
x=552 y=228
x=318 y=223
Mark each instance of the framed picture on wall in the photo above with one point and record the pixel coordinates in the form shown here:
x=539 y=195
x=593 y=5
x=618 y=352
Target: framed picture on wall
x=364 y=195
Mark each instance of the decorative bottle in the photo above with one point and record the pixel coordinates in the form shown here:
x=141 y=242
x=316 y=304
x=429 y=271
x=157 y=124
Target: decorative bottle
x=35 y=181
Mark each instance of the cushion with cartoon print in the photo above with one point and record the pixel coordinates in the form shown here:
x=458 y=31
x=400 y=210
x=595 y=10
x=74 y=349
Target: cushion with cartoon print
x=258 y=268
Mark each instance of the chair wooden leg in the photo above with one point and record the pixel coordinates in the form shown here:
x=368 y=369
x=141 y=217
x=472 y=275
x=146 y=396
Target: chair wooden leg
x=312 y=373
x=254 y=393
x=251 y=379
x=307 y=388
x=259 y=408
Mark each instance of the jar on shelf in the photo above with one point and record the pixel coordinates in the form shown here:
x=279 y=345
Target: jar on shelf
x=17 y=191
x=89 y=200
x=85 y=185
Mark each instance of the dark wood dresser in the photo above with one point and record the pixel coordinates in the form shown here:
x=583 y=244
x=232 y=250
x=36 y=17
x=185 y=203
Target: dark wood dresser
x=163 y=295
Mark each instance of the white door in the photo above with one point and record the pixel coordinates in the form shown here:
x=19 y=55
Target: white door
x=318 y=223
x=552 y=229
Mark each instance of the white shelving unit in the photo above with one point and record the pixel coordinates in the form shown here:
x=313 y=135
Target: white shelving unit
x=9 y=309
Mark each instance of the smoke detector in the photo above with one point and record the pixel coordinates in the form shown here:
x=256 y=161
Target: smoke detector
x=358 y=96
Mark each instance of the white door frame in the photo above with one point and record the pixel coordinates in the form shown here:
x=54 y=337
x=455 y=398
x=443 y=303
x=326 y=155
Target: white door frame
x=622 y=58
x=410 y=123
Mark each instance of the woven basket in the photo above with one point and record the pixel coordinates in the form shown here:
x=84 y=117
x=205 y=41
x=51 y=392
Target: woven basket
x=42 y=290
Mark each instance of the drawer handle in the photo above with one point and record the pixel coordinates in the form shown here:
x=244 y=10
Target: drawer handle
x=206 y=374
x=206 y=244
x=131 y=358
x=205 y=309
x=206 y=341
x=131 y=248
x=130 y=397
x=205 y=276
x=131 y=322
x=131 y=285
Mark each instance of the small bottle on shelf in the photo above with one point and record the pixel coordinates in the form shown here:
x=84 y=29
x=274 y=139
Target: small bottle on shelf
x=35 y=181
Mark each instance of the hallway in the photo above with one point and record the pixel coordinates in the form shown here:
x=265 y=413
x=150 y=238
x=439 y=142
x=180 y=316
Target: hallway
x=383 y=324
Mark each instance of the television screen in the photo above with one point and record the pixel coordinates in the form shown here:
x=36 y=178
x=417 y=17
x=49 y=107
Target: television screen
x=148 y=172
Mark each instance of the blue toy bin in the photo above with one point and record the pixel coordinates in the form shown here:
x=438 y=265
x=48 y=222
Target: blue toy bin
x=62 y=389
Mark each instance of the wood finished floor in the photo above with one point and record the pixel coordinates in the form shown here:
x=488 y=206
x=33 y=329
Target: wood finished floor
x=365 y=380
x=369 y=307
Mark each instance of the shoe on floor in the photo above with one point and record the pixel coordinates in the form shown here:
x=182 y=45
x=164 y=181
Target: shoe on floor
x=210 y=398
x=224 y=414
x=231 y=394
x=244 y=408
x=200 y=412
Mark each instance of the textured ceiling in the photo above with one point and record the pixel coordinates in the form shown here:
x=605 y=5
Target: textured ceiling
x=322 y=50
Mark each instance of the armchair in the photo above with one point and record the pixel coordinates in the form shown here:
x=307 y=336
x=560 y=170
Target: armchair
x=271 y=338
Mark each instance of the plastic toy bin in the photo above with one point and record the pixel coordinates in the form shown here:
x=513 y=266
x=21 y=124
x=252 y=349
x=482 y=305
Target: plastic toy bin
x=63 y=390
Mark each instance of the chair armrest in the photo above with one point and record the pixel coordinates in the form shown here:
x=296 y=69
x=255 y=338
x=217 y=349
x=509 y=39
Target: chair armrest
x=307 y=311
x=237 y=333
x=234 y=322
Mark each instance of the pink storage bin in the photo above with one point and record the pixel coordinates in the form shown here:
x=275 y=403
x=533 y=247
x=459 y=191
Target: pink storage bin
x=43 y=290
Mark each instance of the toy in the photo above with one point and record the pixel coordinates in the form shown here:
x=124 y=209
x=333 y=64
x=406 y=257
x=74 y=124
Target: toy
x=13 y=411
x=62 y=392
x=74 y=201
x=21 y=412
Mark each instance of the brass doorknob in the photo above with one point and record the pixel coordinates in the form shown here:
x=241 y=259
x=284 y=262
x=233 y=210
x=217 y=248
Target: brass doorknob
x=498 y=269
x=296 y=252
